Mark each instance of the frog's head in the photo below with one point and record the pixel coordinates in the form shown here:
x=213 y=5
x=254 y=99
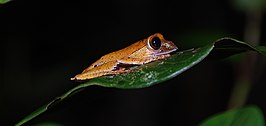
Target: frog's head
x=159 y=45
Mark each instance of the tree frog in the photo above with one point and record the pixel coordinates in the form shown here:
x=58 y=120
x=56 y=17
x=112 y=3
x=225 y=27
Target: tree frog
x=155 y=47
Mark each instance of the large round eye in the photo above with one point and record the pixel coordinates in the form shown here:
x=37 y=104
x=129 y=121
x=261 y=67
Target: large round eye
x=155 y=43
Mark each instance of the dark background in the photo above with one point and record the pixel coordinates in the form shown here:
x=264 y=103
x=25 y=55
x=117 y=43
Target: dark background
x=45 y=43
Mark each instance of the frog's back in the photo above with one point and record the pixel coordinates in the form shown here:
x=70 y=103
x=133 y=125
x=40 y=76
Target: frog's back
x=123 y=52
x=118 y=54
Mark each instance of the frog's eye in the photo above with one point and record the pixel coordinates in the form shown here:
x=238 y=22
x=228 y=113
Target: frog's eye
x=155 y=43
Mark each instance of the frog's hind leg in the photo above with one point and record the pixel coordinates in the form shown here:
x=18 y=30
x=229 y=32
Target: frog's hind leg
x=104 y=69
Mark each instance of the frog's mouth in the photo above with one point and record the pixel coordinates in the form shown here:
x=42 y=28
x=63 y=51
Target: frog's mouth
x=167 y=52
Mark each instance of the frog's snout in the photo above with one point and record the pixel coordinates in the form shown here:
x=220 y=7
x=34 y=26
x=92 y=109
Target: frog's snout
x=169 y=45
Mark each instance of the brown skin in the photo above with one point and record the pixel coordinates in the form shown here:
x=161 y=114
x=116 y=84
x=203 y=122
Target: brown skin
x=139 y=53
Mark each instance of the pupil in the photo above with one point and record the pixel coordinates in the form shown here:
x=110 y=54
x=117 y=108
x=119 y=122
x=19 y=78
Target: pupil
x=156 y=43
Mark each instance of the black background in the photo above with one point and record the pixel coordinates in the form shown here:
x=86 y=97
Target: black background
x=45 y=43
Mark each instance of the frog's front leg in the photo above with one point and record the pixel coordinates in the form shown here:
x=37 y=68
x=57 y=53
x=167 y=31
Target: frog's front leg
x=140 y=61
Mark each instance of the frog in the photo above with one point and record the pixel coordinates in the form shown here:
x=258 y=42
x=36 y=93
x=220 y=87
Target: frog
x=144 y=51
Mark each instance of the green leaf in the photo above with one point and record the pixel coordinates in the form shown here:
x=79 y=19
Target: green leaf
x=249 y=116
x=250 y=4
x=226 y=47
x=4 y=1
x=48 y=124
x=156 y=72
x=262 y=49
